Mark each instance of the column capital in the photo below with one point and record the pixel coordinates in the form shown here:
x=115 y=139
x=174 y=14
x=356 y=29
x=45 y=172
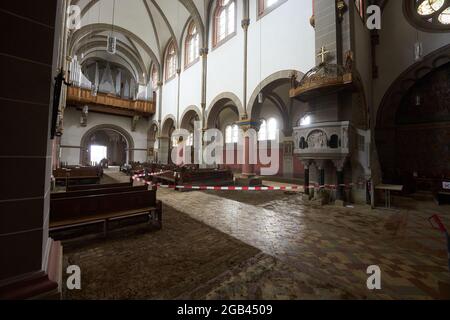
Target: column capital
x=247 y=124
x=204 y=52
x=245 y=23
x=339 y=164
x=306 y=163
x=320 y=164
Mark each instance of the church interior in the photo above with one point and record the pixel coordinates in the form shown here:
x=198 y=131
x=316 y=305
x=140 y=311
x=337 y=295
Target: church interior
x=328 y=122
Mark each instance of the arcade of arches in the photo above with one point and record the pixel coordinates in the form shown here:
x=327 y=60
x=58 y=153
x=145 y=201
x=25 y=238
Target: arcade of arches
x=98 y=174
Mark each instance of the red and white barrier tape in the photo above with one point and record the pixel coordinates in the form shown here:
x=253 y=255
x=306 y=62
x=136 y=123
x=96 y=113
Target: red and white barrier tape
x=234 y=188
x=151 y=174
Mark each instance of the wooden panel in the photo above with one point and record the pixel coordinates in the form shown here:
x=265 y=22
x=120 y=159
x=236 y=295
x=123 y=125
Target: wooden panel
x=80 y=96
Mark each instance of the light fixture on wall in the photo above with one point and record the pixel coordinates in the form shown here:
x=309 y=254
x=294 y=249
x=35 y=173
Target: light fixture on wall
x=260 y=98
x=112 y=40
x=94 y=90
x=418 y=49
x=418 y=100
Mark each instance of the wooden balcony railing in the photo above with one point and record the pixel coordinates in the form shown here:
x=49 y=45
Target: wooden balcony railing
x=79 y=97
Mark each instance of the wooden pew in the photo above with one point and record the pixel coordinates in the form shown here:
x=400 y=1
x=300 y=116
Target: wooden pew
x=101 y=209
x=193 y=176
x=99 y=186
x=93 y=192
x=77 y=176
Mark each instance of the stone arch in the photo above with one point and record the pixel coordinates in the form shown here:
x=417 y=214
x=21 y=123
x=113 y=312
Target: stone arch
x=221 y=102
x=168 y=124
x=390 y=132
x=85 y=141
x=392 y=98
x=188 y=114
x=280 y=76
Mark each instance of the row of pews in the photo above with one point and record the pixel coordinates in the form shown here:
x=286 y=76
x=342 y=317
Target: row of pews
x=184 y=175
x=76 y=175
x=102 y=204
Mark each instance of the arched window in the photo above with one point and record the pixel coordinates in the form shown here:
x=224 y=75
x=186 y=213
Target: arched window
x=155 y=77
x=190 y=140
x=224 y=21
x=429 y=15
x=305 y=121
x=192 y=47
x=232 y=134
x=175 y=141
x=361 y=8
x=272 y=129
x=262 y=133
x=268 y=130
x=171 y=61
x=265 y=6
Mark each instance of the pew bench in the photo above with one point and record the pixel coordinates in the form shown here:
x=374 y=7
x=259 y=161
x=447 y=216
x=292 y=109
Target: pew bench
x=99 y=186
x=92 y=192
x=73 y=212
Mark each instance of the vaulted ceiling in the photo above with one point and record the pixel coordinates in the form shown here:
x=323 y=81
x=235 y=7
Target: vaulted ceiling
x=143 y=29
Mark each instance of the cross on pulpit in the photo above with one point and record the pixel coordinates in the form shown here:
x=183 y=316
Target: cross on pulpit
x=322 y=54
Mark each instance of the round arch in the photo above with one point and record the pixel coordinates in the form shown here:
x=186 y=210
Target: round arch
x=222 y=101
x=188 y=114
x=85 y=141
x=392 y=98
x=388 y=130
x=282 y=75
x=168 y=124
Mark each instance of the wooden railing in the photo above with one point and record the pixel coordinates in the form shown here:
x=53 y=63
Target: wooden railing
x=81 y=96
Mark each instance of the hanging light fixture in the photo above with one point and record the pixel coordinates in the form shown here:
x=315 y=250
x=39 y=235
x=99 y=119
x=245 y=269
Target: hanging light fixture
x=112 y=40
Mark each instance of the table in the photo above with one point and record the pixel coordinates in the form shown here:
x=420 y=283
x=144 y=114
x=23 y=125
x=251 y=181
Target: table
x=388 y=188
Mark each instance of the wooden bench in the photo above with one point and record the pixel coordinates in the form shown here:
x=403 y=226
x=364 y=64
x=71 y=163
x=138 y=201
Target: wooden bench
x=74 y=212
x=99 y=186
x=184 y=176
x=93 y=192
x=77 y=176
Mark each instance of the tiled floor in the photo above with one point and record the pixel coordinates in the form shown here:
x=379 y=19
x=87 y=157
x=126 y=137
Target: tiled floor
x=318 y=252
x=333 y=245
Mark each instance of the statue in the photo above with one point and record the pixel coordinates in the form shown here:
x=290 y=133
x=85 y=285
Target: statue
x=317 y=140
x=294 y=82
x=349 y=61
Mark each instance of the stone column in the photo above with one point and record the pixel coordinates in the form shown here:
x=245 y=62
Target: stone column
x=340 y=189
x=29 y=259
x=204 y=56
x=320 y=165
x=248 y=168
x=245 y=24
x=306 y=164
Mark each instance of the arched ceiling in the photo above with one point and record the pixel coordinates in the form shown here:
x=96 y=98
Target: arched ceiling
x=143 y=28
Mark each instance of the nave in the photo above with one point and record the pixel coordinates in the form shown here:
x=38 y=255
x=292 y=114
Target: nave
x=240 y=245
